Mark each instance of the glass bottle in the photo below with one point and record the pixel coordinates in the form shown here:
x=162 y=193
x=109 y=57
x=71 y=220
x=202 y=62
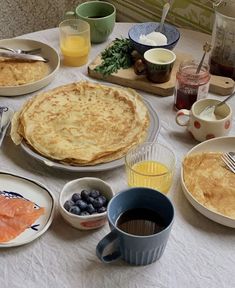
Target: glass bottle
x=222 y=58
x=191 y=86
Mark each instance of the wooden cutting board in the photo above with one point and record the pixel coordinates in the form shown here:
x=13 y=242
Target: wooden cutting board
x=127 y=77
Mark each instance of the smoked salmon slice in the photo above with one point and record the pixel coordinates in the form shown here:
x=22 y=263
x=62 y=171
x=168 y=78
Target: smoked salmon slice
x=15 y=206
x=16 y=215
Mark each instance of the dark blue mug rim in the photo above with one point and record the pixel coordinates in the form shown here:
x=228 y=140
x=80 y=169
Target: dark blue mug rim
x=147 y=189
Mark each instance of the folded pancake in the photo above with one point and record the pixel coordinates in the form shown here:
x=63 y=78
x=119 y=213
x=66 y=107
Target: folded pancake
x=82 y=123
x=18 y=72
x=210 y=182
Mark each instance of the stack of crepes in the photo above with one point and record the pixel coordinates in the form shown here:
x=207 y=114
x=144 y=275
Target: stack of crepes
x=82 y=123
x=210 y=182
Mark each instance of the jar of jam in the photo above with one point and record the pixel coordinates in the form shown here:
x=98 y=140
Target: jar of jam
x=191 y=86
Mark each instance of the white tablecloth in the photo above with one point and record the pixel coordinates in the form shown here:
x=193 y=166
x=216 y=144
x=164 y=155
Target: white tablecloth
x=199 y=253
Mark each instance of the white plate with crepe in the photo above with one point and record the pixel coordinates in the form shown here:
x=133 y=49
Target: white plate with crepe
x=153 y=131
x=221 y=144
x=19 y=188
x=46 y=51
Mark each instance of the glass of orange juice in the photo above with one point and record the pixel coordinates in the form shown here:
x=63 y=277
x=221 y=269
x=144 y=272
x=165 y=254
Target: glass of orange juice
x=75 y=42
x=150 y=165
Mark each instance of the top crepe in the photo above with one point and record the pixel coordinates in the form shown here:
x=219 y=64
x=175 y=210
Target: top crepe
x=82 y=123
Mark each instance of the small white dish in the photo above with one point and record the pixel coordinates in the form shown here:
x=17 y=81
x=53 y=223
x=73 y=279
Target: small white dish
x=89 y=222
x=220 y=144
x=5 y=120
x=46 y=51
x=35 y=192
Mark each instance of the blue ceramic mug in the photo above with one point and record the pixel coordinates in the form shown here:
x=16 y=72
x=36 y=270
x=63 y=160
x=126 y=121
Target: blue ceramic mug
x=140 y=220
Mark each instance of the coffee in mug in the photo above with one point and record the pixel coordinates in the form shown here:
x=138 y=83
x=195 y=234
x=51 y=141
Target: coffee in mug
x=140 y=222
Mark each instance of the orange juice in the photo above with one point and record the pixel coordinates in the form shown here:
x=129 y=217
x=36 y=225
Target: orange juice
x=150 y=174
x=75 y=50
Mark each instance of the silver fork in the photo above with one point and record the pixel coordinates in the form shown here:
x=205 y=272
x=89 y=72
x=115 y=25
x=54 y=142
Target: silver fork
x=229 y=160
x=21 y=51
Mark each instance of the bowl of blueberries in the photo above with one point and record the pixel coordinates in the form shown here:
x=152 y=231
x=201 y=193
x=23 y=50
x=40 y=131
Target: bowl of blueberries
x=83 y=202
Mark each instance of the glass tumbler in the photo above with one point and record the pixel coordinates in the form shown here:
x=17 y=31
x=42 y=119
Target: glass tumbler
x=150 y=165
x=75 y=42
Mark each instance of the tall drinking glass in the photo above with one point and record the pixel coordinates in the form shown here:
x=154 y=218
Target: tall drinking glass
x=74 y=42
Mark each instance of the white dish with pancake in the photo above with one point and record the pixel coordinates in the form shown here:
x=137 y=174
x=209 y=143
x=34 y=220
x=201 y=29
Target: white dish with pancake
x=221 y=144
x=84 y=126
x=52 y=67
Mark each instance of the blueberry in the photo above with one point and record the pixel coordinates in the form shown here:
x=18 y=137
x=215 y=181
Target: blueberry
x=90 y=209
x=81 y=204
x=85 y=194
x=90 y=200
x=99 y=202
x=104 y=199
x=94 y=193
x=76 y=197
x=101 y=209
x=84 y=213
x=75 y=210
x=68 y=204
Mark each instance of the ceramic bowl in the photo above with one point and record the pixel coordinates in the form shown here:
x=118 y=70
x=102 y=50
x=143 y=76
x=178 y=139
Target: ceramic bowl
x=76 y=186
x=220 y=144
x=171 y=32
x=47 y=52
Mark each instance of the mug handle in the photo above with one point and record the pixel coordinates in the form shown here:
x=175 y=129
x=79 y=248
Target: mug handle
x=70 y=14
x=179 y=114
x=113 y=255
x=139 y=67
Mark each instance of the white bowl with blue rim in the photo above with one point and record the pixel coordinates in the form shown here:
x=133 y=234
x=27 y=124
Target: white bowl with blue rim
x=171 y=32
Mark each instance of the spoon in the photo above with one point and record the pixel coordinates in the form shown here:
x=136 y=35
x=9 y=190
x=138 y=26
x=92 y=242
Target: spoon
x=165 y=10
x=213 y=107
x=206 y=48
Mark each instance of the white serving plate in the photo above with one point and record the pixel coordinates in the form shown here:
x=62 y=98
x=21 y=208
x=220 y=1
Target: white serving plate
x=46 y=51
x=35 y=192
x=152 y=135
x=221 y=144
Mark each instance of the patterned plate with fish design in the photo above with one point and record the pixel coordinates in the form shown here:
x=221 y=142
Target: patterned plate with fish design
x=26 y=191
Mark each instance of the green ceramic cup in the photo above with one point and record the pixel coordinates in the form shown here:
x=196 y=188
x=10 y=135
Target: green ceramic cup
x=100 y=15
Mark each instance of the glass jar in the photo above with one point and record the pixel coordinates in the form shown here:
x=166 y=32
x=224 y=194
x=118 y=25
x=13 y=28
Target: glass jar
x=191 y=86
x=222 y=58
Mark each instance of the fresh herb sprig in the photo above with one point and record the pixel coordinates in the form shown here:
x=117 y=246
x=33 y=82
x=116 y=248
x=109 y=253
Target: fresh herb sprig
x=117 y=56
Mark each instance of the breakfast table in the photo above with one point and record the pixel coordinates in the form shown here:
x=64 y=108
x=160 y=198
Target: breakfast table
x=199 y=253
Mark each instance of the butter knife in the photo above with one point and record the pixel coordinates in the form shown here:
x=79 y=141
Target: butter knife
x=25 y=57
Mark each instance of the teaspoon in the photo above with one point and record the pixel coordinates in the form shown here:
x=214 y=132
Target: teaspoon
x=165 y=10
